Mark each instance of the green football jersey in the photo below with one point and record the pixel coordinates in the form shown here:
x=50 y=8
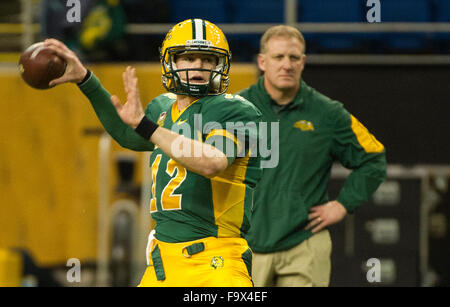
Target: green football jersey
x=187 y=206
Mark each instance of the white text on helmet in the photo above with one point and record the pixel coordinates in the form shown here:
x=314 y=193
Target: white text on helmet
x=198 y=42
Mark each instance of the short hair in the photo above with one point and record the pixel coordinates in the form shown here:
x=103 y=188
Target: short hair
x=284 y=31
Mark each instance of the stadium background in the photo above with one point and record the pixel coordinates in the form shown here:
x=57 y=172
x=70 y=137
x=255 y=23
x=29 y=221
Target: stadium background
x=69 y=192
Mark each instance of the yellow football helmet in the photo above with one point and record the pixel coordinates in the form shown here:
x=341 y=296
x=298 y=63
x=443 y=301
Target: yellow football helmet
x=195 y=36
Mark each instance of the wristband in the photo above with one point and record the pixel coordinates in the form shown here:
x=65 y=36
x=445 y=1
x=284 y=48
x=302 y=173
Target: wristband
x=146 y=128
x=86 y=77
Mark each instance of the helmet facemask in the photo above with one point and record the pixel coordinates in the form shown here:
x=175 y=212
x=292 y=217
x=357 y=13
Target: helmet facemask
x=218 y=77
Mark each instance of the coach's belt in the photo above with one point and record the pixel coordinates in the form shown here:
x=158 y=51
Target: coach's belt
x=193 y=249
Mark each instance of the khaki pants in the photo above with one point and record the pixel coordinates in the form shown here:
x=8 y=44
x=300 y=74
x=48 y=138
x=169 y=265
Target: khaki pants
x=305 y=265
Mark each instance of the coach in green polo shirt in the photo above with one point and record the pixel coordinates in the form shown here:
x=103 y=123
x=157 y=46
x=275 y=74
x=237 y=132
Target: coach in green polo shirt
x=288 y=234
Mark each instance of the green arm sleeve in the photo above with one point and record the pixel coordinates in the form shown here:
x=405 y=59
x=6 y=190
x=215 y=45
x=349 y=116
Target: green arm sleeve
x=111 y=121
x=358 y=150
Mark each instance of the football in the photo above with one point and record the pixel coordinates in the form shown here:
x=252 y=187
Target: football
x=38 y=65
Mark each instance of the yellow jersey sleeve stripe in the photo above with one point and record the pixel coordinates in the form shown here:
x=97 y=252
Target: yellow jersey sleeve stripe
x=225 y=133
x=367 y=141
x=228 y=192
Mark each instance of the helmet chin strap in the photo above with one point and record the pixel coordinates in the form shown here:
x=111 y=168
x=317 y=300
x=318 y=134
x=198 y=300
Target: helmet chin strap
x=217 y=78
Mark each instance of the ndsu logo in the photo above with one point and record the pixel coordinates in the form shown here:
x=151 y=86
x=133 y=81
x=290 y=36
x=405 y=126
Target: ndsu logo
x=304 y=125
x=217 y=262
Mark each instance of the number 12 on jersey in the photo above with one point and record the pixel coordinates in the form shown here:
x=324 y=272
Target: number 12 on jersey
x=169 y=200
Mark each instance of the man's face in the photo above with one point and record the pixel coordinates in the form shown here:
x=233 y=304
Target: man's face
x=282 y=63
x=196 y=61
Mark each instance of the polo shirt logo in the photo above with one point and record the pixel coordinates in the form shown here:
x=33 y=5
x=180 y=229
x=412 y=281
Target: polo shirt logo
x=304 y=125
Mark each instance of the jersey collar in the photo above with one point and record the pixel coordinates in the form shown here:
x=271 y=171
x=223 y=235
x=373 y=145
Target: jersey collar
x=175 y=113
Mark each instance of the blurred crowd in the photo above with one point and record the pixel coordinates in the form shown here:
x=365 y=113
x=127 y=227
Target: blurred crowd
x=101 y=36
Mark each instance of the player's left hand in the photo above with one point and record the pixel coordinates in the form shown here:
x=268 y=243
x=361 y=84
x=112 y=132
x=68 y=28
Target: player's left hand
x=325 y=215
x=131 y=112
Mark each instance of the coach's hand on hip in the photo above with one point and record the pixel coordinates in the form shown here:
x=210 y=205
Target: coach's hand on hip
x=324 y=215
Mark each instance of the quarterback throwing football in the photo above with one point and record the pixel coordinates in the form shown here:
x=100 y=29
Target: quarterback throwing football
x=201 y=193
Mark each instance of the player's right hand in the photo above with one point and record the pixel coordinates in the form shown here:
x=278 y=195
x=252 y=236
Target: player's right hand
x=131 y=112
x=75 y=71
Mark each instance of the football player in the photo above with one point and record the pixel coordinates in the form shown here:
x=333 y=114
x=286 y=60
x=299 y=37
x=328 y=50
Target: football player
x=203 y=171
